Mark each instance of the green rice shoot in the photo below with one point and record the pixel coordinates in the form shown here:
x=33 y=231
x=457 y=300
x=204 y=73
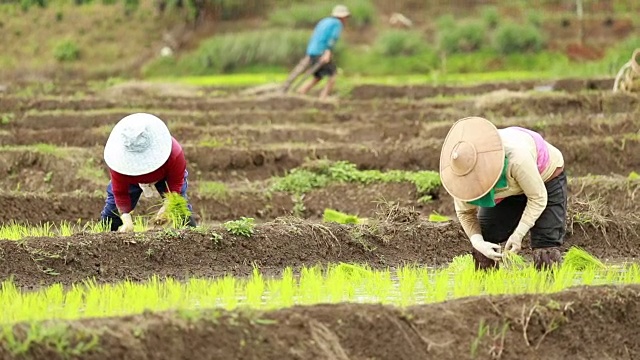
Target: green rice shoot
x=435 y=217
x=335 y=216
x=404 y=286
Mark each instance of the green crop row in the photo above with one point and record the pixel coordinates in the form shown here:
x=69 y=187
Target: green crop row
x=324 y=172
x=405 y=286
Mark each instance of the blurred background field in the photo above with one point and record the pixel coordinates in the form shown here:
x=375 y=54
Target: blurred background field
x=259 y=41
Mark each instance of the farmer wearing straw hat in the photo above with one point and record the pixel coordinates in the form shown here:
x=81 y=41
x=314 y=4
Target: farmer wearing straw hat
x=505 y=182
x=320 y=49
x=141 y=154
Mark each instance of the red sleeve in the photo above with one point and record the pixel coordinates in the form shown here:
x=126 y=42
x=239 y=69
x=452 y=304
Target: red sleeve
x=176 y=166
x=120 y=189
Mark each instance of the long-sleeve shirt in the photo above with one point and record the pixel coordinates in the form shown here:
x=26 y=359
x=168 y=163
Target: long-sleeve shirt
x=172 y=171
x=325 y=36
x=527 y=171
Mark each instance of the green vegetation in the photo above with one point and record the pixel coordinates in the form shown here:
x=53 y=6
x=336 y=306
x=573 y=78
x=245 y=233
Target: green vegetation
x=237 y=51
x=322 y=173
x=306 y=15
x=176 y=210
x=580 y=260
x=214 y=189
x=512 y=38
x=335 y=283
x=335 y=216
x=66 y=50
x=400 y=43
x=242 y=227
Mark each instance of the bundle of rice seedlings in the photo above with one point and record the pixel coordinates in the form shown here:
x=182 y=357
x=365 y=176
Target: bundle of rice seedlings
x=579 y=259
x=176 y=209
x=511 y=260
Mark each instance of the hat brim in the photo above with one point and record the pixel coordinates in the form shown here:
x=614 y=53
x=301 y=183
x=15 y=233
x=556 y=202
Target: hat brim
x=143 y=162
x=489 y=161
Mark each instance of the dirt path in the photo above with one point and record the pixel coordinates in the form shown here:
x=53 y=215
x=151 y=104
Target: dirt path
x=575 y=323
x=401 y=237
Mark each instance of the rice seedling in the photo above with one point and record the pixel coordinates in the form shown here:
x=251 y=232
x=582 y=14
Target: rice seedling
x=404 y=286
x=435 y=217
x=331 y=215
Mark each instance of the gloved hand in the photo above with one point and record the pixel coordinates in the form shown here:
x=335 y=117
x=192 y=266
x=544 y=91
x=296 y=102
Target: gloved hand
x=127 y=223
x=486 y=248
x=514 y=244
x=161 y=218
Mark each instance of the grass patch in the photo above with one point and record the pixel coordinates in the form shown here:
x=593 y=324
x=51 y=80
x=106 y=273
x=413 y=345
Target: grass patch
x=321 y=173
x=306 y=15
x=236 y=51
x=214 y=189
x=91 y=172
x=241 y=227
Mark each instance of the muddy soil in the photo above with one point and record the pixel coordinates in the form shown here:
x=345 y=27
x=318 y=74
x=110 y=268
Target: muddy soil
x=369 y=92
x=496 y=104
x=617 y=193
x=582 y=322
x=210 y=130
x=402 y=236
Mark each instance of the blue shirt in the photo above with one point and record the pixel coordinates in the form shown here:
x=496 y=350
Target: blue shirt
x=325 y=36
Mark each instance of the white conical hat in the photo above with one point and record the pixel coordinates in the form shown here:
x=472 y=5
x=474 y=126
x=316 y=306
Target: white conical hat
x=138 y=144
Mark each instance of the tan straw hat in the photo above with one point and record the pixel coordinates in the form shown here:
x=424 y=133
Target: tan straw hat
x=472 y=158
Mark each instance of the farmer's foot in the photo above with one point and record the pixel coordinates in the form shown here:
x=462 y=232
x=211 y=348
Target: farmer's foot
x=482 y=262
x=545 y=258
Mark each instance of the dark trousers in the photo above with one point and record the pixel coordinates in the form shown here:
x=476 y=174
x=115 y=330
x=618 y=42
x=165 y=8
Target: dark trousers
x=499 y=222
x=110 y=211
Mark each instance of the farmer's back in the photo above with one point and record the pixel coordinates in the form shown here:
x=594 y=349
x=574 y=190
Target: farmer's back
x=324 y=35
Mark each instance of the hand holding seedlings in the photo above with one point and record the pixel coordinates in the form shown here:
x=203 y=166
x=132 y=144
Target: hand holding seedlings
x=514 y=244
x=161 y=218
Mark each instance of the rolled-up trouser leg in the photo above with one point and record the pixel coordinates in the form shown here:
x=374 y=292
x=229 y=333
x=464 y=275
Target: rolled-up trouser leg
x=302 y=66
x=547 y=234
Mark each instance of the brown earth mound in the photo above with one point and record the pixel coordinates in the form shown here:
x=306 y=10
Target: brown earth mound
x=400 y=236
x=369 y=92
x=245 y=128
x=617 y=193
x=498 y=104
x=597 y=322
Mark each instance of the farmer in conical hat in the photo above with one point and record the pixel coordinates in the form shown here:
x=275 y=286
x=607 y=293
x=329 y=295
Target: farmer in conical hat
x=505 y=183
x=320 y=49
x=142 y=154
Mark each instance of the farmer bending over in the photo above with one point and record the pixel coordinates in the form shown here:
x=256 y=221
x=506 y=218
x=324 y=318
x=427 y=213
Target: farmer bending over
x=320 y=49
x=517 y=181
x=141 y=153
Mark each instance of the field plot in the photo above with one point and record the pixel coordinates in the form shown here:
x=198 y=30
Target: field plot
x=265 y=275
